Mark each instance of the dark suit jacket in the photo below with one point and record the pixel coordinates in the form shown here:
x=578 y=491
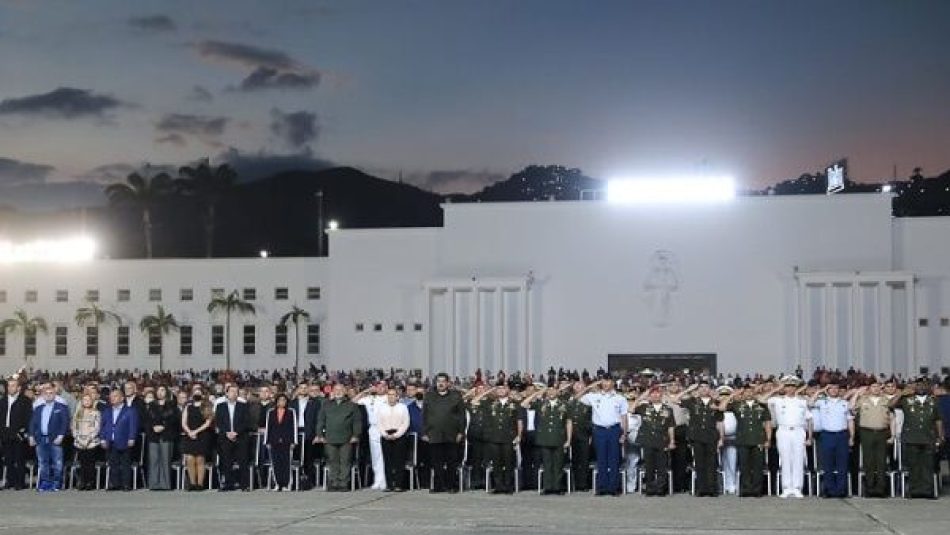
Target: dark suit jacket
x=126 y=428
x=222 y=419
x=141 y=410
x=58 y=421
x=310 y=416
x=22 y=411
x=280 y=433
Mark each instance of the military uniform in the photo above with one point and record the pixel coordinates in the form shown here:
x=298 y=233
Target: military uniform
x=551 y=418
x=501 y=431
x=580 y=415
x=703 y=434
x=476 y=443
x=874 y=430
x=654 y=437
x=751 y=418
x=919 y=439
x=443 y=420
x=337 y=423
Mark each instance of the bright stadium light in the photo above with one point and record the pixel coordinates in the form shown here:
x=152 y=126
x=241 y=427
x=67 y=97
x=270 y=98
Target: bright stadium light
x=334 y=225
x=264 y=253
x=671 y=190
x=65 y=251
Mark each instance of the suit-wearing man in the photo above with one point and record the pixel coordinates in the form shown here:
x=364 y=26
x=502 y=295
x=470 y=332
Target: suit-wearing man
x=232 y=423
x=15 y=413
x=48 y=428
x=307 y=410
x=119 y=434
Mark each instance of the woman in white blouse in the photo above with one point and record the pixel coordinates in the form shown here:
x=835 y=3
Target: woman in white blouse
x=393 y=420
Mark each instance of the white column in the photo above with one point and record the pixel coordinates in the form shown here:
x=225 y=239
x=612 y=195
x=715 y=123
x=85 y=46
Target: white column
x=526 y=337
x=885 y=354
x=499 y=328
x=804 y=329
x=829 y=324
x=452 y=320
x=856 y=343
x=477 y=297
x=912 y=361
x=430 y=334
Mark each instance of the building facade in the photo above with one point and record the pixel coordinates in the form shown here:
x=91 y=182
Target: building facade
x=757 y=284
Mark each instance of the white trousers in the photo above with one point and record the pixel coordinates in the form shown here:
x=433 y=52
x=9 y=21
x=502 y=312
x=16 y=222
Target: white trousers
x=376 y=455
x=728 y=459
x=632 y=460
x=791 y=457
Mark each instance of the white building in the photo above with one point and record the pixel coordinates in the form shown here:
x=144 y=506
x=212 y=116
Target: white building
x=759 y=283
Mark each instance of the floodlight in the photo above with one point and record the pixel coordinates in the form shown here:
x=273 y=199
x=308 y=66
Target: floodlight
x=671 y=190
x=334 y=225
x=264 y=253
x=64 y=251
x=886 y=188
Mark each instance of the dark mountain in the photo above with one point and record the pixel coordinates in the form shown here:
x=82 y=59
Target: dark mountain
x=536 y=183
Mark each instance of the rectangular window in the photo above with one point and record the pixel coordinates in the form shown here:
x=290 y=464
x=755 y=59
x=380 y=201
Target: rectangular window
x=92 y=340
x=359 y=327
x=280 y=340
x=417 y=327
x=3 y=296
x=62 y=340
x=154 y=341
x=62 y=296
x=313 y=293
x=250 y=340
x=217 y=339
x=217 y=293
x=122 y=340
x=281 y=294
x=378 y=327
x=400 y=327
x=186 y=294
x=185 y=333
x=123 y=295
x=250 y=294
x=155 y=294
x=29 y=344
x=3 y=343
x=313 y=339
x=93 y=296
x=30 y=296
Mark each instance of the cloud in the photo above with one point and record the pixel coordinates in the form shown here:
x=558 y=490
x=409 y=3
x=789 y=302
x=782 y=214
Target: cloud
x=266 y=68
x=455 y=181
x=63 y=103
x=295 y=129
x=154 y=23
x=46 y=196
x=19 y=172
x=176 y=127
x=200 y=94
x=262 y=164
x=117 y=172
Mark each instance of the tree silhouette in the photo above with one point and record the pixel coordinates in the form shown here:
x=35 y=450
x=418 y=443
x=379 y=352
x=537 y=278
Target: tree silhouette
x=229 y=304
x=295 y=316
x=164 y=324
x=144 y=194
x=21 y=321
x=92 y=315
x=207 y=185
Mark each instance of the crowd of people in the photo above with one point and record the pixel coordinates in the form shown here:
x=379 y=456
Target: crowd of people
x=833 y=433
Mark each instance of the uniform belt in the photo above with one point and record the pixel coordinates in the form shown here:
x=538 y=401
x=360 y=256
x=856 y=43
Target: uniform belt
x=842 y=431
x=607 y=426
x=874 y=428
x=791 y=427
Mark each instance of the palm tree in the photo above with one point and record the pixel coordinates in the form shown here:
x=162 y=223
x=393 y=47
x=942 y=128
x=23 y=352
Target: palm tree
x=295 y=316
x=93 y=316
x=23 y=322
x=143 y=193
x=208 y=185
x=164 y=324
x=229 y=304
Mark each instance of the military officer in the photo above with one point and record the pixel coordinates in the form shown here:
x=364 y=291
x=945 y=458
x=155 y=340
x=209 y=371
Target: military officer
x=679 y=457
x=753 y=436
x=704 y=432
x=874 y=429
x=502 y=432
x=338 y=427
x=656 y=438
x=552 y=436
x=580 y=438
x=792 y=419
x=837 y=437
x=476 y=437
x=922 y=433
x=609 y=416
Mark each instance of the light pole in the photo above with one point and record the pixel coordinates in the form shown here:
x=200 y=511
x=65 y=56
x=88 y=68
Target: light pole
x=320 y=237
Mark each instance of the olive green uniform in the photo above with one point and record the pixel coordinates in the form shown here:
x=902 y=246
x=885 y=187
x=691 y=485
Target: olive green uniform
x=580 y=415
x=476 y=443
x=654 y=438
x=703 y=434
x=550 y=421
x=338 y=422
x=872 y=419
x=919 y=437
x=501 y=431
x=751 y=419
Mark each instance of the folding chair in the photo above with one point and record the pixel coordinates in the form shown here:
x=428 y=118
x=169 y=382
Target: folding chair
x=641 y=473
x=489 y=468
x=413 y=462
x=905 y=474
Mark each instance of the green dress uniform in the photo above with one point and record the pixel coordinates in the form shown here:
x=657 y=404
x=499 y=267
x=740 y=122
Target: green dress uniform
x=476 y=443
x=501 y=430
x=654 y=437
x=551 y=418
x=703 y=435
x=751 y=419
x=338 y=422
x=919 y=437
x=443 y=420
x=872 y=419
x=580 y=415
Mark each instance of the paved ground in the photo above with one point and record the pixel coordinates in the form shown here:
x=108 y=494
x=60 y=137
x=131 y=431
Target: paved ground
x=262 y=512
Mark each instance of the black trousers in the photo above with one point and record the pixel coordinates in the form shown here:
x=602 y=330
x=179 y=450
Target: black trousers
x=680 y=460
x=14 y=459
x=444 y=457
x=751 y=460
x=232 y=462
x=580 y=462
x=280 y=458
x=394 y=459
x=706 y=464
x=504 y=465
x=423 y=463
x=309 y=451
x=655 y=466
x=87 y=467
x=120 y=468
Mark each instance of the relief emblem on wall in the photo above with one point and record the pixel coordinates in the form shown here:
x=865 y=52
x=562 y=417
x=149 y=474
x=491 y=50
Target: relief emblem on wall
x=661 y=281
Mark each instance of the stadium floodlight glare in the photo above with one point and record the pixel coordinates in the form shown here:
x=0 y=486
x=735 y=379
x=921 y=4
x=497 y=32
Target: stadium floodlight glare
x=334 y=225
x=886 y=188
x=64 y=251
x=264 y=253
x=704 y=189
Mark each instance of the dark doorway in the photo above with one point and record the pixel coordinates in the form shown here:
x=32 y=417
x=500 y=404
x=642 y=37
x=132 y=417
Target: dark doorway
x=704 y=363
